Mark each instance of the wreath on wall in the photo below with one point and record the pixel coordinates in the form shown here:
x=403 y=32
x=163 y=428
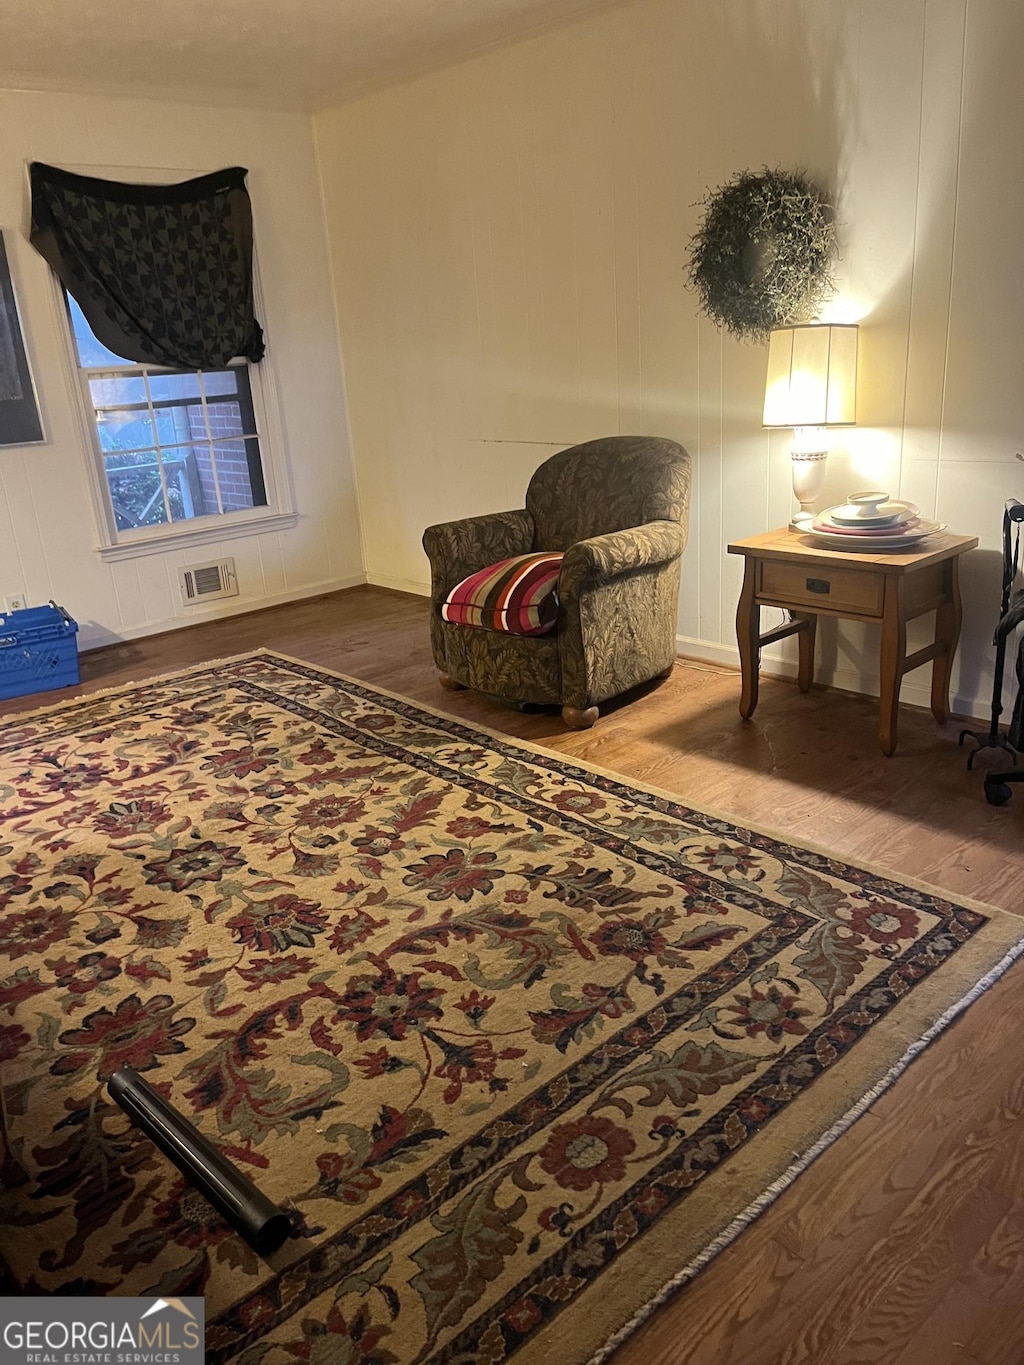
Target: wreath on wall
x=760 y=258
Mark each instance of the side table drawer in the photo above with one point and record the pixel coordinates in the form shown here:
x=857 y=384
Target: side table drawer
x=817 y=587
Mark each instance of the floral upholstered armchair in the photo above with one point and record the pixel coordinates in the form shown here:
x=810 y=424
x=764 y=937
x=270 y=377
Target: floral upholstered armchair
x=598 y=545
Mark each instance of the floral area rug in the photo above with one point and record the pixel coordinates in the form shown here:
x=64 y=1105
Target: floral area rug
x=513 y=1040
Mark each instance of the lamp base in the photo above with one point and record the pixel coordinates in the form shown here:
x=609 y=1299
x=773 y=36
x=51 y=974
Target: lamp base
x=808 y=465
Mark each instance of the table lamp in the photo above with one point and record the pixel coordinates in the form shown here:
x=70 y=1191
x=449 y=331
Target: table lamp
x=811 y=383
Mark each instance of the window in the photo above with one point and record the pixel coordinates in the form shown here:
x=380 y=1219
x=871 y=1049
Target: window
x=174 y=445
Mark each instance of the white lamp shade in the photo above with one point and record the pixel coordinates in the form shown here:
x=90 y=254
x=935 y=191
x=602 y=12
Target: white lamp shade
x=812 y=376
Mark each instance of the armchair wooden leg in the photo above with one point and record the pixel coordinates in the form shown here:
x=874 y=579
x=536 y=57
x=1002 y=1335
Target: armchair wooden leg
x=450 y=683
x=579 y=720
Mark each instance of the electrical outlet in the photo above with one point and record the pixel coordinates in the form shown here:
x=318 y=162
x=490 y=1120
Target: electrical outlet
x=15 y=601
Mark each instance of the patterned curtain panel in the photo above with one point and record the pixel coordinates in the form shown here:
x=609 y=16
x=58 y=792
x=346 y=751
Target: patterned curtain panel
x=163 y=273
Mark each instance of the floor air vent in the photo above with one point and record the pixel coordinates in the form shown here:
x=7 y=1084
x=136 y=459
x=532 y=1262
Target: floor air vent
x=202 y=582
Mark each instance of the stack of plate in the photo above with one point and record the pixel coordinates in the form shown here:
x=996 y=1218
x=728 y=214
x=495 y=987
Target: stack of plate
x=872 y=521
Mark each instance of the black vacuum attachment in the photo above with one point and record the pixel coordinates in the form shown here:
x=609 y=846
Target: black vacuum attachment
x=263 y=1225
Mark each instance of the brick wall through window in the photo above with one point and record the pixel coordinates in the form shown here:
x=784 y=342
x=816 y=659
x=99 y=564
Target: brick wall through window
x=232 y=464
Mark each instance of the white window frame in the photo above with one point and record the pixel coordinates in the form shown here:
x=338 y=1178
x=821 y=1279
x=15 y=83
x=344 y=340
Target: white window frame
x=279 y=513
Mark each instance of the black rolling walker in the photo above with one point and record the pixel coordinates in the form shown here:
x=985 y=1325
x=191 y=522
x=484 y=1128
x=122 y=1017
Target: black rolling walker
x=1011 y=614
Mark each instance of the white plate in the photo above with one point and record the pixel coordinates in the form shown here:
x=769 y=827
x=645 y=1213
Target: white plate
x=862 y=528
x=868 y=544
x=888 y=514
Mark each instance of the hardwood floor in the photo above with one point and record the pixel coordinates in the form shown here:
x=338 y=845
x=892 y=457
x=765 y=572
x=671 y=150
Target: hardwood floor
x=904 y=1243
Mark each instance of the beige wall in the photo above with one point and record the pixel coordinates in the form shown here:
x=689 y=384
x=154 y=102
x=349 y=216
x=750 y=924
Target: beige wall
x=509 y=238
x=47 y=533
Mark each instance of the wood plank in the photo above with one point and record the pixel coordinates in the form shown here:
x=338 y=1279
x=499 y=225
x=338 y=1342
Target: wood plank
x=980 y=1318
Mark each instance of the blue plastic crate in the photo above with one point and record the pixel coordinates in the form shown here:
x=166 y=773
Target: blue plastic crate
x=38 y=650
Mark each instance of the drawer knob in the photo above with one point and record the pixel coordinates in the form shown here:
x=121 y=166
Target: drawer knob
x=821 y=585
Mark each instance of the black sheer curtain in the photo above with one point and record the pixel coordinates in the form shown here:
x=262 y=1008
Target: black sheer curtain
x=163 y=273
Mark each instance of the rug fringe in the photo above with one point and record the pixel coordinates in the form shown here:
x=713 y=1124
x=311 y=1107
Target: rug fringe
x=842 y=1125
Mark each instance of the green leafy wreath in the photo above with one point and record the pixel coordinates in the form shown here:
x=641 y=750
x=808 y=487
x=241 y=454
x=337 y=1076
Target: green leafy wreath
x=760 y=259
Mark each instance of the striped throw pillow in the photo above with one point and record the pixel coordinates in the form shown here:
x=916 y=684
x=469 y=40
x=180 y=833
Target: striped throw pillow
x=518 y=596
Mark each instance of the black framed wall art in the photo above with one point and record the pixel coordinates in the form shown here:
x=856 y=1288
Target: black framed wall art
x=20 y=422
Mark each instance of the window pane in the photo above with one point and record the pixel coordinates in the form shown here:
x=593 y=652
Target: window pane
x=135 y=489
x=225 y=419
x=236 y=490
x=172 y=426
x=184 y=489
x=124 y=429
x=115 y=390
x=173 y=386
x=220 y=381
x=230 y=419
x=90 y=351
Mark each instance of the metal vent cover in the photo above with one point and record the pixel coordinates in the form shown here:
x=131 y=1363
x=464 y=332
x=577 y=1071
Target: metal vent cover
x=202 y=582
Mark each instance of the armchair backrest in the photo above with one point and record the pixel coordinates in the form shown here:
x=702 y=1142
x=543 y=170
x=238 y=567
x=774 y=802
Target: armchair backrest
x=607 y=485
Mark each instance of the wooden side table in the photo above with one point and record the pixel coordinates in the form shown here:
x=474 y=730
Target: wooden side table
x=787 y=569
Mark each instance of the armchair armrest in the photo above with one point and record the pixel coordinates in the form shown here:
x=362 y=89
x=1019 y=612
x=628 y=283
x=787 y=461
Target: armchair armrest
x=458 y=548
x=601 y=559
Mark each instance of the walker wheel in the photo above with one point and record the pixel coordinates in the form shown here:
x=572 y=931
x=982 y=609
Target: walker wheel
x=998 y=793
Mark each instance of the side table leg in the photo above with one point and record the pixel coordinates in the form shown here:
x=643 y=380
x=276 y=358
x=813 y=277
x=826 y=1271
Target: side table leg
x=805 y=640
x=947 y=633
x=748 y=629
x=892 y=659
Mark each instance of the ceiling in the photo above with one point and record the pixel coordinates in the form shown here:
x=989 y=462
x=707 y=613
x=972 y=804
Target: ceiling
x=283 y=54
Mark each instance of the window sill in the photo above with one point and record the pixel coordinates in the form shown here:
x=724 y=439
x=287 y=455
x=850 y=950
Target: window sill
x=213 y=529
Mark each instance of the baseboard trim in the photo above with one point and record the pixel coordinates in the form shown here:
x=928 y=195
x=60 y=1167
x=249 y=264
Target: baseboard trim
x=705 y=652
x=413 y=585
x=91 y=635
x=843 y=680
